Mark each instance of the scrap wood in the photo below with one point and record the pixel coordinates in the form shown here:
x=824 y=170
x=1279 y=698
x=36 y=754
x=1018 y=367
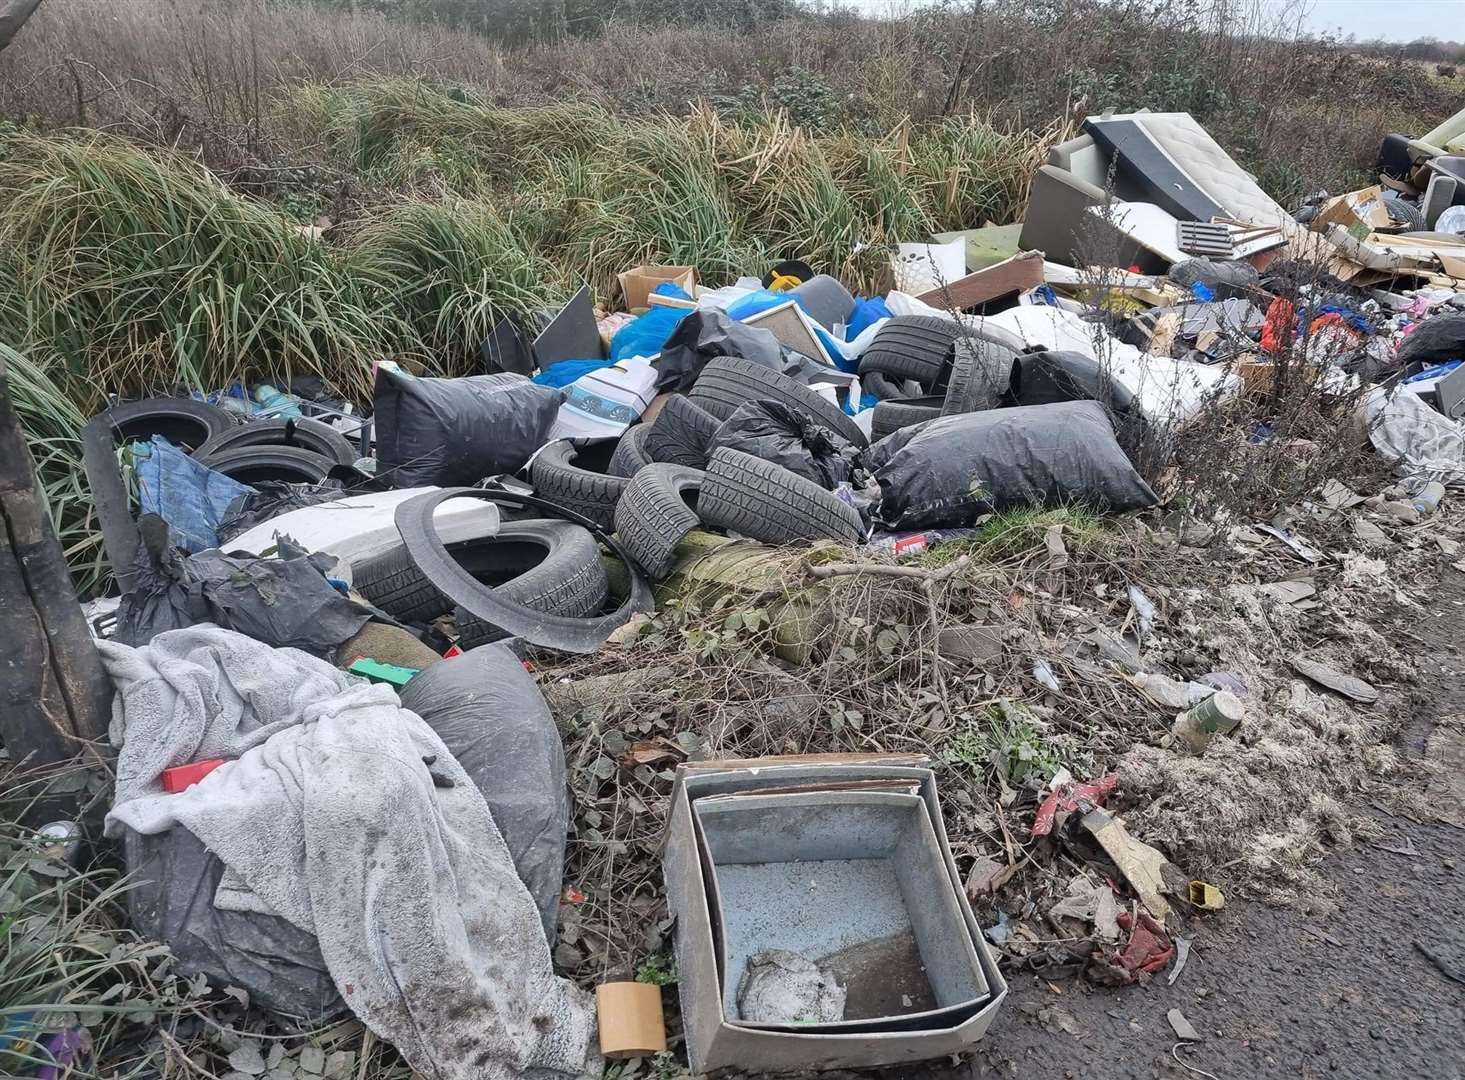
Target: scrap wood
x=939 y=574
x=1019 y=273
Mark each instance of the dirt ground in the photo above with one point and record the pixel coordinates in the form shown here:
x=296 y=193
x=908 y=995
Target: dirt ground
x=1281 y=993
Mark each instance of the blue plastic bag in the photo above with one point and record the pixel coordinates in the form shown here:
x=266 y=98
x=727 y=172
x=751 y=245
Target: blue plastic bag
x=189 y=496
x=645 y=334
x=565 y=372
x=868 y=311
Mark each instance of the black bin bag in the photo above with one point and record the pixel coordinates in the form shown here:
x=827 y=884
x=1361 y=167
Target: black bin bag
x=273 y=960
x=490 y=714
x=948 y=470
x=454 y=432
x=773 y=431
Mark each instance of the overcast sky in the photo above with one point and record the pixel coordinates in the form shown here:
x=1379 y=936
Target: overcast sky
x=1391 y=20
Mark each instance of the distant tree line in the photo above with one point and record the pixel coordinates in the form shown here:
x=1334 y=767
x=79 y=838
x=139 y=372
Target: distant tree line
x=1429 y=49
x=520 y=21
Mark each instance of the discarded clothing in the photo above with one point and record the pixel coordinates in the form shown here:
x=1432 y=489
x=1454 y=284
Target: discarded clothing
x=345 y=814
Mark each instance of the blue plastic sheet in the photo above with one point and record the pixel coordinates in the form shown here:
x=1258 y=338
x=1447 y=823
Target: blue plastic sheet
x=868 y=311
x=189 y=496
x=645 y=334
x=567 y=371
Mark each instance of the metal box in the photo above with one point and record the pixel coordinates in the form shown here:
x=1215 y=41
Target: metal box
x=704 y=910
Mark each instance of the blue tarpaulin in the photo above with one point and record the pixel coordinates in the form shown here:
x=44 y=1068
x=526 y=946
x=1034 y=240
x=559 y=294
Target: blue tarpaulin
x=189 y=496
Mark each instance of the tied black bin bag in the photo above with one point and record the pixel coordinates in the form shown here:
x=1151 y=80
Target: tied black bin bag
x=705 y=335
x=773 y=431
x=454 y=432
x=949 y=470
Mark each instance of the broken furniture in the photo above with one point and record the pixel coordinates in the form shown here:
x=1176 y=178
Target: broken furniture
x=841 y=860
x=1165 y=161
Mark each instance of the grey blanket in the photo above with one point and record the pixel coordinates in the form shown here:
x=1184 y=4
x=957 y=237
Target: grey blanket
x=345 y=814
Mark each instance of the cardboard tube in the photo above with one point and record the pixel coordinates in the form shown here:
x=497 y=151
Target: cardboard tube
x=630 y=1019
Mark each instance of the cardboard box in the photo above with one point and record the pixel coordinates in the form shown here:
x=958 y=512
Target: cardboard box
x=637 y=284
x=1360 y=212
x=713 y=1040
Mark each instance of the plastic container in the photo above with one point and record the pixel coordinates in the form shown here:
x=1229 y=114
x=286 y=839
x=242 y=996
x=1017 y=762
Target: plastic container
x=1219 y=714
x=276 y=402
x=1428 y=499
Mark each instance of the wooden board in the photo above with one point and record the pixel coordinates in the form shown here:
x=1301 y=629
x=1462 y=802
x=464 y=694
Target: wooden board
x=1021 y=272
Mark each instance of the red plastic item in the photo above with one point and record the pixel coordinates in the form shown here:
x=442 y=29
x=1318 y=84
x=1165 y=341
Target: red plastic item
x=1148 y=950
x=181 y=777
x=1279 y=327
x=452 y=652
x=1071 y=797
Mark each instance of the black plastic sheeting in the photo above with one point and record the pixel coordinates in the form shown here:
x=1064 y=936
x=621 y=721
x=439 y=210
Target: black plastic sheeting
x=446 y=432
x=949 y=470
x=773 y=431
x=1225 y=278
x=491 y=715
x=703 y=336
x=270 y=499
x=172 y=901
x=1047 y=378
x=285 y=602
x=492 y=718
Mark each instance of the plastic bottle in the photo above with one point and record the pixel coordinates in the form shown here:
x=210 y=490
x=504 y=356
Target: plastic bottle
x=276 y=402
x=1428 y=499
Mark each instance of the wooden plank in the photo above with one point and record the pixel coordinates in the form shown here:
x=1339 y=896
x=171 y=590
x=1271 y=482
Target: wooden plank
x=1017 y=274
x=55 y=696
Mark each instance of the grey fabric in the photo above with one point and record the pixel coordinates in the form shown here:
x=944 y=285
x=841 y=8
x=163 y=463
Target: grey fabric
x=346 y=815
x=493 y=719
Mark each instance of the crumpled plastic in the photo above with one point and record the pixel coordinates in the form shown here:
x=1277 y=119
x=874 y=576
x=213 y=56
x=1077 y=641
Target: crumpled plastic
x=1148 y=950
x=285 y=601
x=1421 y=441
x=773 y=431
